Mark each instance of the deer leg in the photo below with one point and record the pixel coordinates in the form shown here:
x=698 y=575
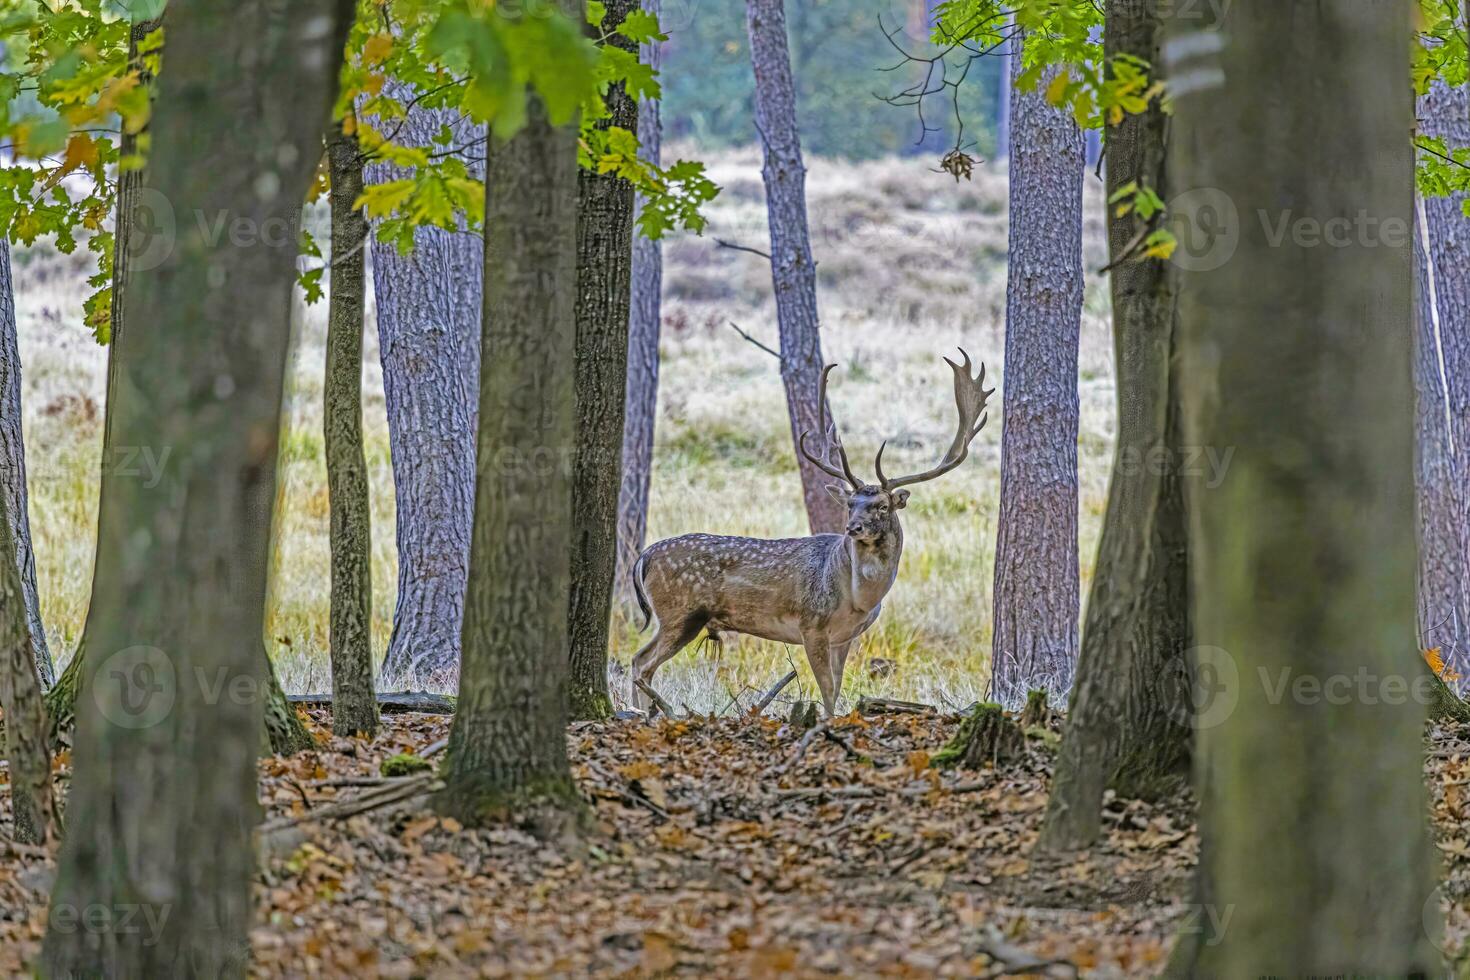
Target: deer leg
x=819 y=656
x=837 y=654
x=661 y=649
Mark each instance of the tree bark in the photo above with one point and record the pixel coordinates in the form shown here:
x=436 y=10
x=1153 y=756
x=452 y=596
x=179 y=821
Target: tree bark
x=354 y=708
x=604 y=260
x=284 y=729
x=793 y=272
x=13 y=493
x=507 y=747
x=61 y=698
x=428 y=308
x=1442 y=381
x=644 y=322
x=1303 y=559
x=164 y=793
x=33 y=809
x=1130 y=720
x=1036 y=591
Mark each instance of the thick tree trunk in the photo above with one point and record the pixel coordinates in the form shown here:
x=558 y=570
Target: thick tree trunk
x=1129 y=723
x=644 y=312
x=507 y=748
x=428 y=307
x=354 y=709
x=1302 y=558
x=604 y=259
x=164 y=793
x=284 y=728
x=793 y=272
x=13 y=495
x=1442 y=380
x=1035 y=631
x=33 y=810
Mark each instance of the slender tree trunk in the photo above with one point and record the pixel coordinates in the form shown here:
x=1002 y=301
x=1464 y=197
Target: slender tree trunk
x=1442 y=379
x=1303 y=559
x=1438 y=473
x=32 y=807
x=1035 y=632
x=164 y=793
x=1130 y=717
x=13 y=493
x=354 y=708
x=793 y=272
x=604 y=260
x=644 y=313
x=428 y=308
x=507 y=749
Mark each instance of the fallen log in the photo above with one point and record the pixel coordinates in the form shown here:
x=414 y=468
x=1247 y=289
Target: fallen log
x=893 y=706
x=390 y=702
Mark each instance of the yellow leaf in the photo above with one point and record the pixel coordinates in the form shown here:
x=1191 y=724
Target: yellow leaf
x=1435 y=661
x=1057 y=90
x=81 y=151
x=1163 y=250
x=376 y=49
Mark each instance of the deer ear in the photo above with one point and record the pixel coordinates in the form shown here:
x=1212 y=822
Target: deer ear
x=900 y=499
x=839 y=493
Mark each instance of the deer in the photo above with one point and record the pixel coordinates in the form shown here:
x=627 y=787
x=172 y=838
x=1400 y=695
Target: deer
x=820 y=592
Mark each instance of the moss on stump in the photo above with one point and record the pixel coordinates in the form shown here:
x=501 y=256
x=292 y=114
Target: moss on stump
x=986 y=738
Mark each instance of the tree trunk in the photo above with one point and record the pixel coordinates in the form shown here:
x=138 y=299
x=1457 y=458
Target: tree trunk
x=285 y=732
x=164 y=792
x=1130 y=717
x=149 y=249
x=32 y=807
x=507 y=747
x=793 y=272
x=644 y=313
x=354 y=708
x=1442 y=379
x=13 y=495
x=604 y=259
x=1302 y=558
x=428 y=308
x=1035 y=629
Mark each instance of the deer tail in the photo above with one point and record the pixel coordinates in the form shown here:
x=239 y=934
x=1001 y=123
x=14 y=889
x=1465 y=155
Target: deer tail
x=640 y=590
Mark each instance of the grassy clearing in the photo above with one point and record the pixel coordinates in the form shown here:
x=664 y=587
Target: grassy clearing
x=911 y=265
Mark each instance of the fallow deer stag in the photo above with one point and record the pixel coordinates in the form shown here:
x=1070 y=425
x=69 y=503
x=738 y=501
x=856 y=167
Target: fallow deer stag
x=823 y=591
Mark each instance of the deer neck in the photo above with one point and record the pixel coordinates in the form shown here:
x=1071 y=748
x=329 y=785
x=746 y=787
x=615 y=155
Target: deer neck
x=872 y=568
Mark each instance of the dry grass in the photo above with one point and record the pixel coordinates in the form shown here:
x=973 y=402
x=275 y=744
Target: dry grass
x=911 y=264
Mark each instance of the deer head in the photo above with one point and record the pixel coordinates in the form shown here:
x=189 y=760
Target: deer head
x=872 y=509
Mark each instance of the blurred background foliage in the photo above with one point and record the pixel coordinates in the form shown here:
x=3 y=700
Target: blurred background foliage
x=838 y=55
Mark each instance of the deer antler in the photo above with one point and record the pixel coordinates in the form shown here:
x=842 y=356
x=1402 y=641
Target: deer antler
x=970 y=396
x=834 y=443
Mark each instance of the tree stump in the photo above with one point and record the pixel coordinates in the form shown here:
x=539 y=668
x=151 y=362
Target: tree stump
x=986 y=737
x=1037 y=713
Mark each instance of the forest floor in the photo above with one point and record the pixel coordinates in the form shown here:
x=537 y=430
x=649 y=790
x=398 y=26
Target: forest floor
x=729 y=847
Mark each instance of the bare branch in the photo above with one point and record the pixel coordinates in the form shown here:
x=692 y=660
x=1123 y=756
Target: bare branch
x=736 y=327
x=743 y=248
